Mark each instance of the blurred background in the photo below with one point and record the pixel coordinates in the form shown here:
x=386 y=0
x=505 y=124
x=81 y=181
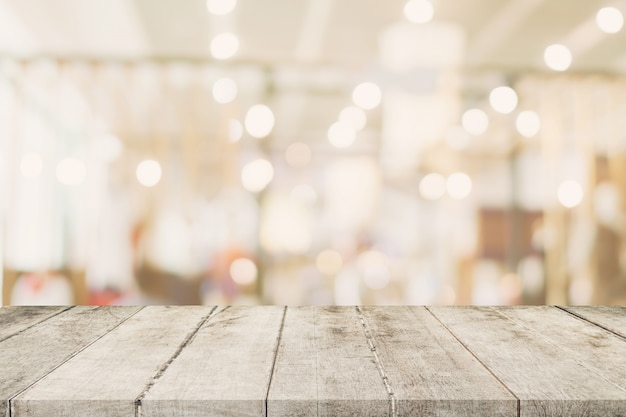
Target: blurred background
x=312 y=152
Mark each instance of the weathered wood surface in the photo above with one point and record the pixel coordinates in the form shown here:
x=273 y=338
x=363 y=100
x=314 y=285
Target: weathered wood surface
x=430 y=372
x=32 y=354
x=313 y=361
x=547 y=380
x=326 y=367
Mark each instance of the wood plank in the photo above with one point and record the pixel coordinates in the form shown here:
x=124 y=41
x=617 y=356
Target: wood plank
x=611 y=318
x=548 y=381
x=224 y=371
x=33 y=353
x=14 y=319
x=325 y=367
x=430 y=372
x=105 y=379
x=593 y=347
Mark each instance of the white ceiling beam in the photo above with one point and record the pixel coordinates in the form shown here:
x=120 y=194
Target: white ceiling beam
x=498 y=30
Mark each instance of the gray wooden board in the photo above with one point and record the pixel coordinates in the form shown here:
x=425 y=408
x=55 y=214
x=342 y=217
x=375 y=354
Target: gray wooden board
x=430 y=372
x=14 y=319
x=224 y=371
x=611 y=318
x=30 y=355
x=547 y=380
x=596 y=349
x=105 y=379
x=325 y=367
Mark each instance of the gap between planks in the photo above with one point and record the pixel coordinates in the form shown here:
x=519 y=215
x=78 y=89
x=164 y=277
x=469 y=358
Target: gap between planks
x=10 y=400
x=278 y=339
x=381 y=369
x=159 y=373
x=479 y=361
x=587 y=320
x=36 y=323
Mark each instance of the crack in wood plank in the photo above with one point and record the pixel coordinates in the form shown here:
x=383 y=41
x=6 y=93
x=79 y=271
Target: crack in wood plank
x=479 y=360
x=278 y=339
x=381 y=369
x=188 y=339
x=36 y=323
x=586 y=320
x=10 y=401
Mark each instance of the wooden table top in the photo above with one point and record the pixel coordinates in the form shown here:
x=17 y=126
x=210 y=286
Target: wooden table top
x=312 y=361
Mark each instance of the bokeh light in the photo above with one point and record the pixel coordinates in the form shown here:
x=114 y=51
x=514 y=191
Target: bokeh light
x=224 y=46
x=610 y=19
x=503 y=99
x=367 y=95
x=570 y=193
x=148 y=173
x=243 y=271
x=528 y=123
x=475 y=122
x=235 y=130
x=341 y=135
x=354 y=116
x=432 y=186
x=459 y=185
x=419 y=11
x=558 y=57
x=224 y=90
x=256 y=175
x=259 y=121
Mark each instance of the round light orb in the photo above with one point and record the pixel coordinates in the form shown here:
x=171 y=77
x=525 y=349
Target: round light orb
x=221 y=7
x=558 y=57
x=148 y=173
x=374 y=266
x=419 y=11
x=367 y=95
x=459 y=185
x=31 y=165
x=256 y=175
x=503 y=99
x=354 y=116
x=475 y=122
x=224 y=46
x=341 y=135
x=224 y=90
x=570 y=193
x=298 y=155
x=329 y=262
x=259 y=121
x=235 y=130
x=610 y=19
x=243 y=271
x=71 y=172
x=432 y=186
x=528 y=123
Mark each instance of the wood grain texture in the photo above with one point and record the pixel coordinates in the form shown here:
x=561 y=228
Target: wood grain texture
x=105 y=379
x=32 y=354
x=547 y=380
x=325 y=367
x=598 y=350
x=430 y=372
x=611 y=318
x=15 y=319
x=224 y=371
